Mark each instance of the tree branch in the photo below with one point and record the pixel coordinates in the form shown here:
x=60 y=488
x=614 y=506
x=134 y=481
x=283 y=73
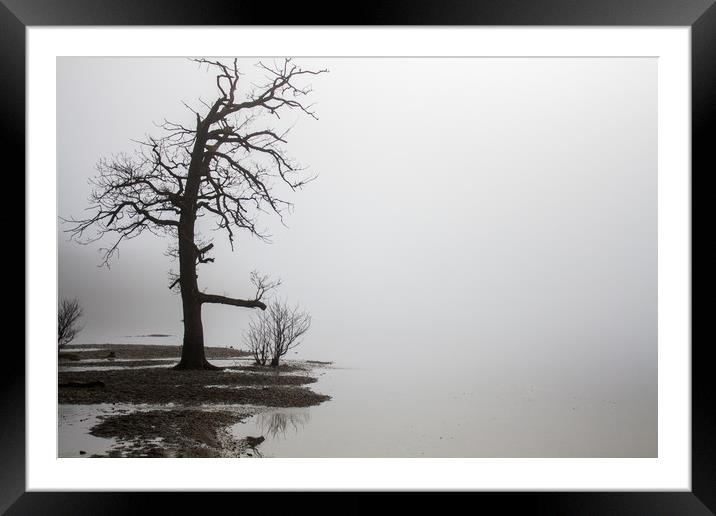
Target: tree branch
x=239 y=163
x=223 y=300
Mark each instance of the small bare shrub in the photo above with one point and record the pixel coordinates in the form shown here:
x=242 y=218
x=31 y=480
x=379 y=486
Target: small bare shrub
x=67 y=317
x=276 y=331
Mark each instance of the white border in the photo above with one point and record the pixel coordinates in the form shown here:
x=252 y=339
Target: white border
x=670 y=471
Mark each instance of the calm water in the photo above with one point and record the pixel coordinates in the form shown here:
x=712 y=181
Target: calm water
x=443 y=407
x=74 y=424
x=423 y=415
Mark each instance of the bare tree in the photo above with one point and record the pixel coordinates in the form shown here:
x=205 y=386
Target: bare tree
x=258 y=340
x=68 y=315
x=286 y=325
x=276 y=331
x=226 y=166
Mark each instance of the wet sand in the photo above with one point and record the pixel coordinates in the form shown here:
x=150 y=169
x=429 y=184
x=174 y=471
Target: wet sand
x=165 y=413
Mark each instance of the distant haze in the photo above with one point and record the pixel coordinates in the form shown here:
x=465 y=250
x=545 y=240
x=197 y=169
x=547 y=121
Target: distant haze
x=483 y=216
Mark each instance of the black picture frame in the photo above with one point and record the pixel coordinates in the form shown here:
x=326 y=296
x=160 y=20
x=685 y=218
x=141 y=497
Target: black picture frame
x=700 y=15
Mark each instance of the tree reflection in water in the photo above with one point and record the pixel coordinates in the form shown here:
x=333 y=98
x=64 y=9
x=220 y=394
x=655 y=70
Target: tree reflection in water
x=274 y=424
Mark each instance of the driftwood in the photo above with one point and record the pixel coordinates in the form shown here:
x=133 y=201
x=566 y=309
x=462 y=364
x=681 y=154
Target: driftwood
x=82 y=385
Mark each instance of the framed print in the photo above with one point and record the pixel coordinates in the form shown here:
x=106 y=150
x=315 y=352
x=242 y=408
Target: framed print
x=425 y=252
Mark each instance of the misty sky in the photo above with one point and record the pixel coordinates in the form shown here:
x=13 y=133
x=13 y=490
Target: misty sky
x=491 y=211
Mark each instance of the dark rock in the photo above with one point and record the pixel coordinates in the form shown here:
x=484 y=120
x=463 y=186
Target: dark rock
x=254 y=441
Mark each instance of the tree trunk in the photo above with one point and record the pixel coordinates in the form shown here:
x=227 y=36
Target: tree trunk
x=192 y=351
x=274 y=362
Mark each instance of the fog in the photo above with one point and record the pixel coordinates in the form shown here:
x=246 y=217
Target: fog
x=473 y=220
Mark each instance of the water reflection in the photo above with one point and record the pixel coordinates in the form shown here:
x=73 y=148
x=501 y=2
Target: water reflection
x=269 y=428
x=283 y=423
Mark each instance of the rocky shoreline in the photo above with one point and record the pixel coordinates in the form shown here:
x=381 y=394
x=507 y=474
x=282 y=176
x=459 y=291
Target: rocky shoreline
x=166 y=413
